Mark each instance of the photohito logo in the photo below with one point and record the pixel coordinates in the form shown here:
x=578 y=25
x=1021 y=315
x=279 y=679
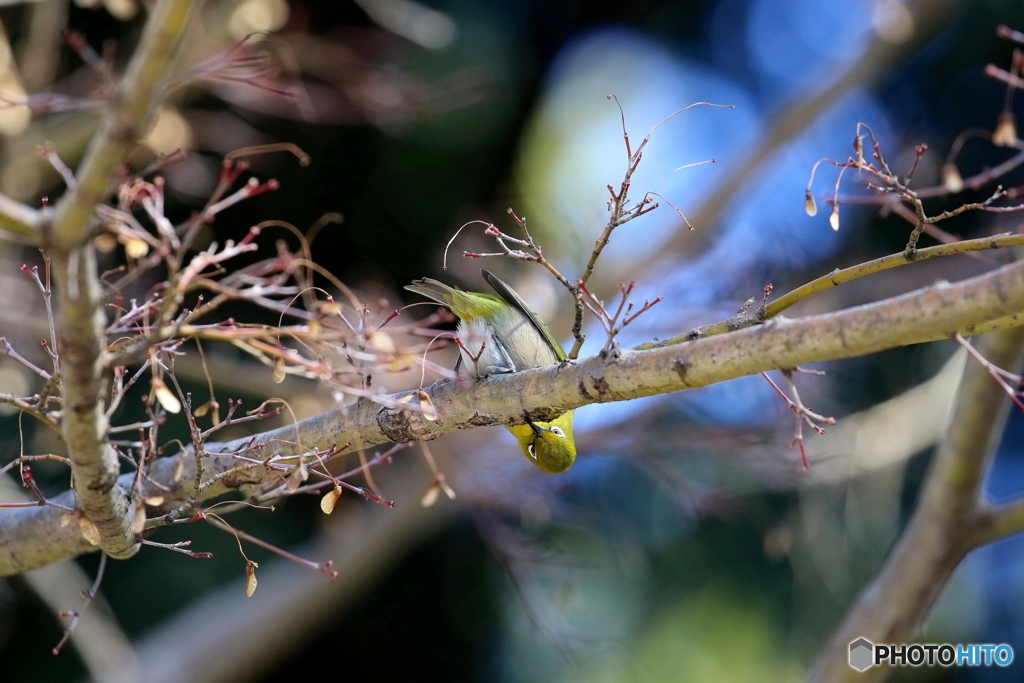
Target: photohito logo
x=864 y=654
x=861 y=653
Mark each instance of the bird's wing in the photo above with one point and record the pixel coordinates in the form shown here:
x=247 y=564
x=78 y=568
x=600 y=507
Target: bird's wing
x=510 y=295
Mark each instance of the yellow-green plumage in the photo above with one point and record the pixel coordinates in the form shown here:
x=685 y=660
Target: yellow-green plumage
x=503 y=334
x=554 y=454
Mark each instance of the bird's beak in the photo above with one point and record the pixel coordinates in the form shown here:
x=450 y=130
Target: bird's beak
x=537 y=431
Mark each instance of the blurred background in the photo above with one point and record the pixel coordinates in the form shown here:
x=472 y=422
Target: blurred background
x=687 y=542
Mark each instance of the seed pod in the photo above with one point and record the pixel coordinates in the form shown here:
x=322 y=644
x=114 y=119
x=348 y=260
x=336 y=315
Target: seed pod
x=329 y=499
x=1005 y=134
x=166 y=398
x=250 y=578
x=134 y=247
x=951 y=179
x=430 y=497
x=809 y=206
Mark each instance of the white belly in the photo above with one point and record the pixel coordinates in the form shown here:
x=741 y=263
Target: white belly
x=482 y=353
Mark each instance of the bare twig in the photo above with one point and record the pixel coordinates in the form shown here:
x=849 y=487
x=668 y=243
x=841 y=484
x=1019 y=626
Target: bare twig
x=803 y=414
x=77 y=614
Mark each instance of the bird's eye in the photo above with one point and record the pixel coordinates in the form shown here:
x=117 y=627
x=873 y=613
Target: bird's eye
x=557 y=431
x=533 y=453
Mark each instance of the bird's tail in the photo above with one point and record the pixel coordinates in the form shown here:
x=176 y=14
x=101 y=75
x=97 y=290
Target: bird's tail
x=432 y=289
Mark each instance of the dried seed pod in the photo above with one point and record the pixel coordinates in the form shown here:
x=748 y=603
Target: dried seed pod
x=250 y=578
x=330 y=498
x=809 y=206
x=134 y=247
x=165 y=396
x=951 y=179
x=1005 y=134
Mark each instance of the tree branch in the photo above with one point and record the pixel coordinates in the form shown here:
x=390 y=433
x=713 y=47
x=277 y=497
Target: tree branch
x=943 y=528
x=130 y=116
x=995 y=523
x=32 y=537
x=22 y=221
x=838 y=277
x=80 y=322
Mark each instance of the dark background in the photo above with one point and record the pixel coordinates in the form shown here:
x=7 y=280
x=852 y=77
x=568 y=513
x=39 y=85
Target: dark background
x=686 y=543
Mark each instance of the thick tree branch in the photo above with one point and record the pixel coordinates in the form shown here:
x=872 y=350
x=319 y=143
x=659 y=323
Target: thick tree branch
x=80 y=323
x=81 y=341
x=32 y=537
x=943 y=528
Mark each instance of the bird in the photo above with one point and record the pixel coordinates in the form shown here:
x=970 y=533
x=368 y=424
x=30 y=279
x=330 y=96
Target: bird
x=502 y=334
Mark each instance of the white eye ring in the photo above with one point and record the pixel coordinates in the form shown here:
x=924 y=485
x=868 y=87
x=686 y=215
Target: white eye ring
x=533 y=453
x=557 y=431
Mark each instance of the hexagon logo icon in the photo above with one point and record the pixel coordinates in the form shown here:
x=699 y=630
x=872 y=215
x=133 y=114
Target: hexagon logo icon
x=862 y=652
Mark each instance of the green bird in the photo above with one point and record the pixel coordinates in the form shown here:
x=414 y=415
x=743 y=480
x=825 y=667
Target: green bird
x=500 y=334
